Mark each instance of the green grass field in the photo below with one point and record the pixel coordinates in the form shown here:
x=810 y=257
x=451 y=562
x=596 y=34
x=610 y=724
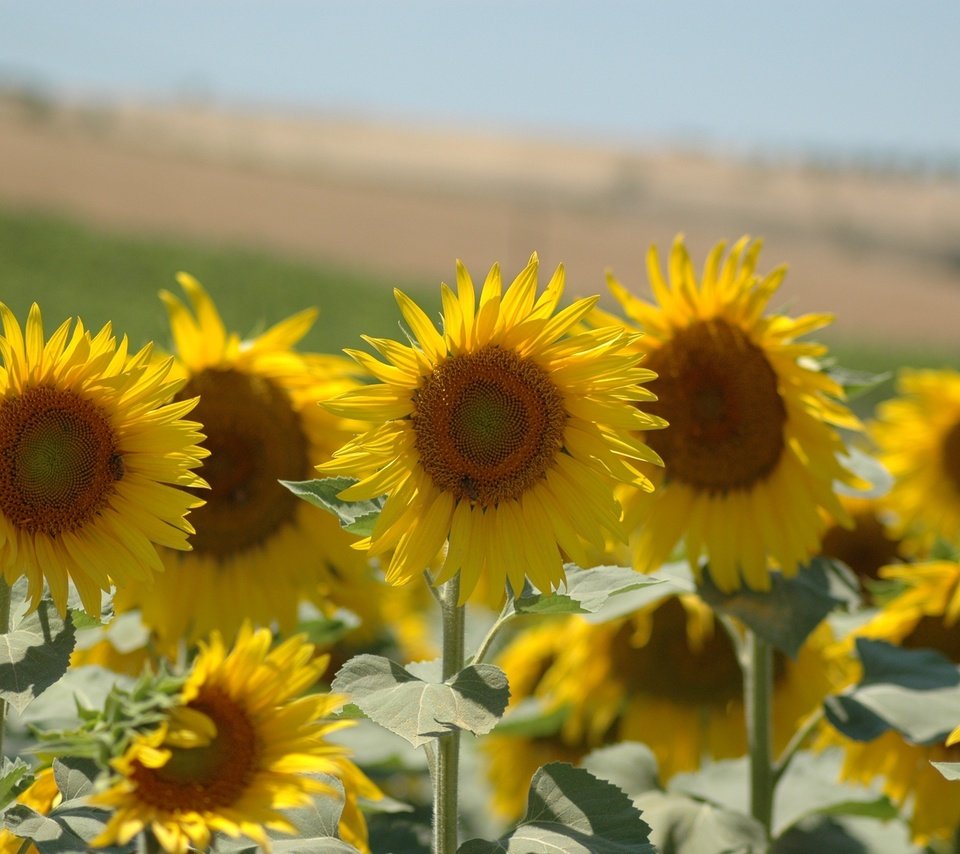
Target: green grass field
x=75 y=269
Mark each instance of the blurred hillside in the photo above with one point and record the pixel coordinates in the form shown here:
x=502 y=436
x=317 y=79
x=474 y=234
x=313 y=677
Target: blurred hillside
x=879 y=249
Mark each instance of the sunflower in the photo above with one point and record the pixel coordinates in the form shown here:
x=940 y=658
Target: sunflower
x=918 y=435
x=750 y=456
x=907 y=771
x=239 y=748
x=924 y=614
x=512 y=760
x=499 y=434
x=258 y=550
x=668 y=676
x=42 y=795
x=865 y=547
x=91 y=453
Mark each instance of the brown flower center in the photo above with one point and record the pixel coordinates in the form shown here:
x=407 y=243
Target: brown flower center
x=864 y=549
x=488 y=425
x=668 y=667
x=58 y=460
x=719 y=394
x=255 y=438
x=951 y=455
x=934 y=633
x=205 y=778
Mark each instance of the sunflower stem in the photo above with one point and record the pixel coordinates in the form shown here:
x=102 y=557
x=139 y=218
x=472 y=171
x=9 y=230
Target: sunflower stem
x=506 y=615
x=798 y=740
x=757 y=697
x=445 y=780
x=4 y=628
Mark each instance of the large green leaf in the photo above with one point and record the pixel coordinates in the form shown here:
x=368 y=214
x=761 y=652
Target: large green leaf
x=473 y=699
x=74 y=776
x=358 y=517
x=809 y=787
x=571 y=811
x=65 y=830
x=682 y=825
x=629 y=765
x=36 y=652
x=793 y=607
x=950 y=770
x=913 y=691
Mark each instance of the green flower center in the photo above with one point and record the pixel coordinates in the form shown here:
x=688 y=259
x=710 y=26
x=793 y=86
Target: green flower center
x=255 y=438
x=488 y=425
x=58 y=460
x=719 y=393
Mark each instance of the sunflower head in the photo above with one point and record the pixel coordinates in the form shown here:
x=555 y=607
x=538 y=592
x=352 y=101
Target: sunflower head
x=669 y=676
x=923 y=615
x=257 y=549
x=751 y=454
x=240 y=747
x=918 y=433
x=503 y=434
x=93 y=456
x=867 y=546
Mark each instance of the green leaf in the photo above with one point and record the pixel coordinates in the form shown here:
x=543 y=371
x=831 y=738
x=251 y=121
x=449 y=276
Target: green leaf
x=547 y=603
x=67 y=829
x=81 y=619
x=15 y=776
x=74 y=776
x=856 y=383
x=629 y=765
x=682 y=825
x=913 y=691
x=588 y=591
x=472 y=700
x=950 y=770
x=670 y=579
x=324 y=632
x=358 y=517
x=399 y=835
x=36 y=652
x=571 y=811
x=531 y=719
x=793 y=607
x=870 y=469
x=809 y=787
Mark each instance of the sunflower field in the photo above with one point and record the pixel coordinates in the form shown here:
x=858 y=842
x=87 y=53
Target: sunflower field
x=530 y=576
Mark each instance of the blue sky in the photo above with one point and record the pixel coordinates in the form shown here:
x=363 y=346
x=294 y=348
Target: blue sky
x=846 y=77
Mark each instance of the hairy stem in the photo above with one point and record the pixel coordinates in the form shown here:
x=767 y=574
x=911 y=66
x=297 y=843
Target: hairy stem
x=4 y=628
x=757 y=699
x=445 y=780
